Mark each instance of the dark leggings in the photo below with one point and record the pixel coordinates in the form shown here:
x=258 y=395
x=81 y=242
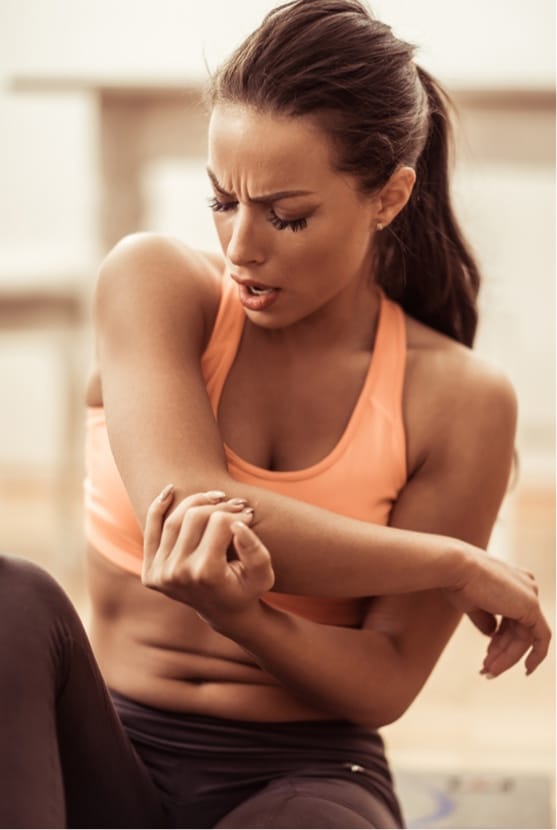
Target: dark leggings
x=66 y=759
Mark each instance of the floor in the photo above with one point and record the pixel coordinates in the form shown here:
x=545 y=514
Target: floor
x=469 y=730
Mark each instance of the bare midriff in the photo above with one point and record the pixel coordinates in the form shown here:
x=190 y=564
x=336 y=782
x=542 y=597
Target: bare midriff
x=159 y=652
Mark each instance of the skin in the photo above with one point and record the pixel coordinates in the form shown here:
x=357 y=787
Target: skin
x=195 y=636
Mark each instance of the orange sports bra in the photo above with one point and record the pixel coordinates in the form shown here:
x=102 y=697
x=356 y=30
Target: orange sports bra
x=361 y=477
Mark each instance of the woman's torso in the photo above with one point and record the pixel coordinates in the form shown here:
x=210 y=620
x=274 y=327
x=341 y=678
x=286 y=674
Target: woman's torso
x=159 y=651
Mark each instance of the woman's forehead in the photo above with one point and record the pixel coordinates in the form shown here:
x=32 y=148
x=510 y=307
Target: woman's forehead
x=273 y=149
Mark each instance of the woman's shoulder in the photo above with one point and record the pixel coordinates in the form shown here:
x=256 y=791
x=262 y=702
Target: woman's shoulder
x=452 y=392
x=155 y=290
x=158 y=270
x=452 y=366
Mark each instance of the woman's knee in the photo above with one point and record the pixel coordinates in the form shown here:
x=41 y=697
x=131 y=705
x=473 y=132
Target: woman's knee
x=30 y=599
x=311 y=802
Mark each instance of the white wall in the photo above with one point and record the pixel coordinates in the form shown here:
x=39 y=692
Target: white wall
x=49 y=179
x=477 y=42
x=48 y=144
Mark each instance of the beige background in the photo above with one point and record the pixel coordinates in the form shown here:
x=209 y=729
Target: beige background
x=102 y=134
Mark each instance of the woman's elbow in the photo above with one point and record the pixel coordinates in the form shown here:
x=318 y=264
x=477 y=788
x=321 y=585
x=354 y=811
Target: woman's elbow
x=381 y=710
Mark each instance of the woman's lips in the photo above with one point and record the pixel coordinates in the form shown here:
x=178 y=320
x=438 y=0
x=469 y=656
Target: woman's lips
x=257 y=297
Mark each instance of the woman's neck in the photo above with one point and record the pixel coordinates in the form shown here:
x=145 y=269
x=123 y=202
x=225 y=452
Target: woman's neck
x=345 y=323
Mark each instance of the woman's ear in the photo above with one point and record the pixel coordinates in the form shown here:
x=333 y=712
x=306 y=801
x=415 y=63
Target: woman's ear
x=394 y=195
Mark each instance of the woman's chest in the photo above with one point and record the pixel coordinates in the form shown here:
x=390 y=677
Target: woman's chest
x=290 y=417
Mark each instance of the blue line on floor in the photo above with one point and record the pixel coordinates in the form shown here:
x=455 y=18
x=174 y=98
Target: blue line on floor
x=444 y=807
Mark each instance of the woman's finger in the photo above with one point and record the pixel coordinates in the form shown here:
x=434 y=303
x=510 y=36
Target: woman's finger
x=254 y=557
x=216 y=539
x=157 y=519
x=154 y=522
x=218 y=534
x=173 y=521
x=512 y=641
x=542 y=638
x=514 y=652
x=194 y=524
x=499 y=645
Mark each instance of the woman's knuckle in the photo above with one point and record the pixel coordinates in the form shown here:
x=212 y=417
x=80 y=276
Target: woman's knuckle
x=173 y=522
x=195 y=512
x=150 y=579
x=219 y=519
x=194 y=499
x=198 y=573
x=147 y=580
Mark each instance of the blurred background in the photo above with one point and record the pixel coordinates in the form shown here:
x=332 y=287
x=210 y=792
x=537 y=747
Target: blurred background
x=103 y=133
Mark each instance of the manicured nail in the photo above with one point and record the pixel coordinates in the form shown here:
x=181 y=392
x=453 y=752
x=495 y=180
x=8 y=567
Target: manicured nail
x=166 y=492
x=249 y=512
x=489 y=676
x=215 y=495
x=238 y=502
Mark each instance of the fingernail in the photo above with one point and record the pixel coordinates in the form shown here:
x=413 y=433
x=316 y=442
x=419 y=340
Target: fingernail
x=215 y=495
x=238 y=502
x=249 y=513
x=166 y=492
x=489 y=676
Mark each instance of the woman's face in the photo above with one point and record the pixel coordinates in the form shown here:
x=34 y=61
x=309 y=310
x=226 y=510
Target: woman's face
x=296 y=234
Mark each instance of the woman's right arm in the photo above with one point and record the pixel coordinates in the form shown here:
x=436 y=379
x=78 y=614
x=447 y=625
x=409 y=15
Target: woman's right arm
x=154 y=308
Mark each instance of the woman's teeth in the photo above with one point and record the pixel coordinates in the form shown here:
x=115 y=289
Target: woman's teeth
x=258 y=291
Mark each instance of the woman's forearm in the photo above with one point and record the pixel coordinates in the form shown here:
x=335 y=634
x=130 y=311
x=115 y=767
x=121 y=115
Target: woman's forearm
x=315 y=552
x=318 y=552
x=351 y=674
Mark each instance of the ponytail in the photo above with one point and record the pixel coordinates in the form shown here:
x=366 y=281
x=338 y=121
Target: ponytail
x=334 y=60
x=423 y=261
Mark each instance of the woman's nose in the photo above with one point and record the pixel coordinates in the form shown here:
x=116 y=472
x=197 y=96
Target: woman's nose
x=245 y=245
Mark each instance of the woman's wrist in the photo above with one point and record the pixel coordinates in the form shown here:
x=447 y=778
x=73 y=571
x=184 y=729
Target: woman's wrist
x=237 y=625
x=458 y=560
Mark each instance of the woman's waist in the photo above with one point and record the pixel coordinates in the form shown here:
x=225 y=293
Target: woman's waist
x=194 y=732
x=192 y=675
x=160 y=652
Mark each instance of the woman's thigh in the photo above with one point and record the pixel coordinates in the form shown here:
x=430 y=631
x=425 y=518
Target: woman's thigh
x=303 y=801
x=65 y=760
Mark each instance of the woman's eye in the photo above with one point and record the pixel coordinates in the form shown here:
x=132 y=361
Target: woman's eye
x=276 y=221
x=281 y=224
x=221 y=207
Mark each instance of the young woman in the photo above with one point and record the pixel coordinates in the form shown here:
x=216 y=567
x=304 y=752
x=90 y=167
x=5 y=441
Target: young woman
x=337 y=455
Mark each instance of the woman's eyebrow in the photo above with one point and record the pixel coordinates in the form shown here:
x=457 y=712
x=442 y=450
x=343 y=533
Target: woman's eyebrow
x=268 y=197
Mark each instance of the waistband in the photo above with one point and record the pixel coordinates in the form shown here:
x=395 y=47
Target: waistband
x=255 y=752
x=190 y=732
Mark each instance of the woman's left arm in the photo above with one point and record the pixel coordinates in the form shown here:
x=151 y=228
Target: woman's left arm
x=372 y=674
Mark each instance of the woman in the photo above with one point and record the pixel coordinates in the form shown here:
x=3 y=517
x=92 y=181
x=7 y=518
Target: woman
x=312 y=396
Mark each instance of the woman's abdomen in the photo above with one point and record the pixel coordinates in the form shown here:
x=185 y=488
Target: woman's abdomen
x=161 y=653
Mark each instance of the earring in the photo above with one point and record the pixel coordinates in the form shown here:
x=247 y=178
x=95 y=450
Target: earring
x=380 y=226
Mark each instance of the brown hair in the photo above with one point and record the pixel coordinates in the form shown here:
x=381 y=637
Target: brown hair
x=334 y=60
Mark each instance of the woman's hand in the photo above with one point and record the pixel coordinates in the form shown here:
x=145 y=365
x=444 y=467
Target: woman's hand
x=490 y=588
x=205 y=555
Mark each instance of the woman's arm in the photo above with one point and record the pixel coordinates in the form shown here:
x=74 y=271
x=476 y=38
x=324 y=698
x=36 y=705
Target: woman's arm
x=155 y=306
x=153 y=310
x=369 y=675
x=372 y=675
x=353 y=674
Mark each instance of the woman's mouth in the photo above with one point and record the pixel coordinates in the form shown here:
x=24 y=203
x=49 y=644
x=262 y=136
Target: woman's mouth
x=257 y=297
x=258 y=290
